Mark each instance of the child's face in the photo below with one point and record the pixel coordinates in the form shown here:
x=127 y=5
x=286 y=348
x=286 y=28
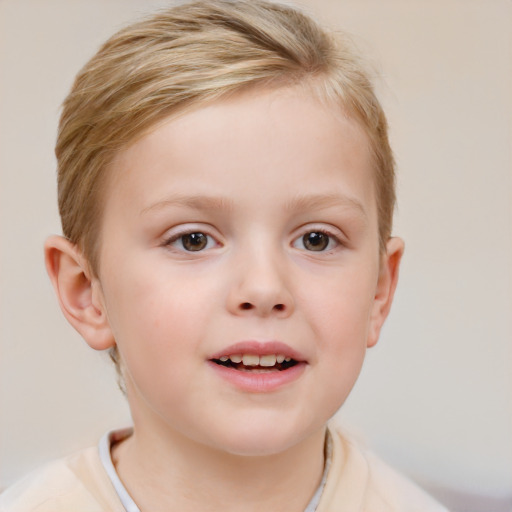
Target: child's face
x=244 y=228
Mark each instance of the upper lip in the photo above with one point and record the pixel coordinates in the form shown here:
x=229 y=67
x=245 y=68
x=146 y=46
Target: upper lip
x=260 y=348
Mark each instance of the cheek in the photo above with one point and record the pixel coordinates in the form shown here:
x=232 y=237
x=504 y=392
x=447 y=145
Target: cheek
x=342 y=347
x=155 y=297
x=157 y=319
x=158 y=339
x=342 y=307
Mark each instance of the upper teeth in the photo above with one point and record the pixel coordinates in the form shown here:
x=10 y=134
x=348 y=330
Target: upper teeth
x=254 y=360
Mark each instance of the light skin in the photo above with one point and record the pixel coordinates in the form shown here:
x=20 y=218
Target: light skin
x=252 y=219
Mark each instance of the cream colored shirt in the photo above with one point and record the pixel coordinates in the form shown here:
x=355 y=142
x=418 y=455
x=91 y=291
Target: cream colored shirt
x=356 y=481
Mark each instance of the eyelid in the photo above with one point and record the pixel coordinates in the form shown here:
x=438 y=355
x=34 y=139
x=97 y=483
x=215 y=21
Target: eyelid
x=174 y=234
x=328 y=229
x=332 y=232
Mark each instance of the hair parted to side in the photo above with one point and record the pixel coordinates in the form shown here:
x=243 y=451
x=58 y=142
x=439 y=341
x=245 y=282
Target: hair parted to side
x=190 y=54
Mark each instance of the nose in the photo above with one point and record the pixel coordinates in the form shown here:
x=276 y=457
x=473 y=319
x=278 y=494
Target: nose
x=260 y=286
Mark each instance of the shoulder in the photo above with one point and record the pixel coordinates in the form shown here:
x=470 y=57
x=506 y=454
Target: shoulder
x=359 y=480
x=390 y=487
x=78 y=483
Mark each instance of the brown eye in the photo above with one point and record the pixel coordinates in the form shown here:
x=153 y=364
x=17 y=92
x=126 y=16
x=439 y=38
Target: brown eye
x=315 y=241
x=194 y=241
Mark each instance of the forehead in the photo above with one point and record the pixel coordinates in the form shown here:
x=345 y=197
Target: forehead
x=283 y=141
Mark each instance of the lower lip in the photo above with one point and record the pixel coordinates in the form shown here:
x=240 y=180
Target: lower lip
x=255 y=382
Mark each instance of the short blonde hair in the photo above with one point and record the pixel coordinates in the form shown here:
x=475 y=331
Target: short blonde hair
x=189 y=54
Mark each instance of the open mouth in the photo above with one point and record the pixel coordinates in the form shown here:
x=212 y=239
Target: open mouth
x=256 y=364
x=259 y=367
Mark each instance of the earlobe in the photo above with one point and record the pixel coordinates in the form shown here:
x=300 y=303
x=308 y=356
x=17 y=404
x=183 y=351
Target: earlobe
x=386 y=286
x=78 y=292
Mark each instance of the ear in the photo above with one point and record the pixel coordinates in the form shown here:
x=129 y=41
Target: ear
x=386 y=286
x=79 y=293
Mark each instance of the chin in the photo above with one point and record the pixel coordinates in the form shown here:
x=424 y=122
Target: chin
x=259 y=440
x=256 y=448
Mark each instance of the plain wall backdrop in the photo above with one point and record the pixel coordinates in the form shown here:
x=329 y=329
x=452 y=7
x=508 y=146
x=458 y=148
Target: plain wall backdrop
x=435 y=395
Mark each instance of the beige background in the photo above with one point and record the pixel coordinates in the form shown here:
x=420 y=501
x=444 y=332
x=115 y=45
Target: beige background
x=435 y=396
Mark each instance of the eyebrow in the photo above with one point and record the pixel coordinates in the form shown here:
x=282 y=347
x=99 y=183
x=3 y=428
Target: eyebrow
x=321 y=201
x=299 y=203
x=196 y=202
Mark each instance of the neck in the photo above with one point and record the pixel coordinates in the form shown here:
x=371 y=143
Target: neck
x=169 y=471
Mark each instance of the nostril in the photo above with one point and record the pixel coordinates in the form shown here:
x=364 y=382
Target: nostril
x=246 y=306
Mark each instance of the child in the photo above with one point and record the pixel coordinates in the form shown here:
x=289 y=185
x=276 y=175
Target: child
x=226 y=190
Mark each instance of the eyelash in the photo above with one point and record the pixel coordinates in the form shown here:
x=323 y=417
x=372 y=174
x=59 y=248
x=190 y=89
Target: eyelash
x=210 y=242
x=177 y=237
x=332 y=238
